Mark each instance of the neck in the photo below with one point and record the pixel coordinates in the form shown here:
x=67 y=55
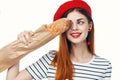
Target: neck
x=80 y=52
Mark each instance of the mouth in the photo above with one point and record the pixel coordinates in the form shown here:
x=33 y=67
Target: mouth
x=75 y=34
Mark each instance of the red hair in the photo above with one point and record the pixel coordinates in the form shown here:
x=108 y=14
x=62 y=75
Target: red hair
x=65 y=68
x=62 y=61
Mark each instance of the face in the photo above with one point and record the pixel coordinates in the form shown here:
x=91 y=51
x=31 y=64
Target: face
x=79 y=29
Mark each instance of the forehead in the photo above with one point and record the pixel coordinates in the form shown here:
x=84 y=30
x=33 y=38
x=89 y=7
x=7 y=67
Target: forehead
x=76 y=15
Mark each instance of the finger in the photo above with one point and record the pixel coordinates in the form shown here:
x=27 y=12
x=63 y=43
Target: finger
x=31 y=33
x=21 y=37
x=26 y=37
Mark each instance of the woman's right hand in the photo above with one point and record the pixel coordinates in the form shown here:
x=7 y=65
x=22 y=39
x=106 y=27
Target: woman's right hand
x=25 y=37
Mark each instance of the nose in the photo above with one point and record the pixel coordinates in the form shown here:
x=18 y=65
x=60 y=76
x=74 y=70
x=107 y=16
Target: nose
x=74 y=27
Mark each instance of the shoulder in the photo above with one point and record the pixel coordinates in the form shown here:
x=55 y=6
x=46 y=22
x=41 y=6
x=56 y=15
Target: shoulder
x=103 y=65
x=39 y=69
x=51 y=53
x=101 y=60
x=49 y=56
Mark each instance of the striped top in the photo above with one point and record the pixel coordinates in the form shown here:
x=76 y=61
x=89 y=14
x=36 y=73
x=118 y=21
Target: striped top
x=96 y=69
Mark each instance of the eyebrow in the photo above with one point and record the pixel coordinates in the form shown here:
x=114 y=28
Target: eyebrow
x=80 y=19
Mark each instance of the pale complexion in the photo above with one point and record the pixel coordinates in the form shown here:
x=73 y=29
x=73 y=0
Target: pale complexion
x=76 y=35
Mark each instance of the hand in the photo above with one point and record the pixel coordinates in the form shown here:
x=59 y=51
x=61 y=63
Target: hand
x=25 y=37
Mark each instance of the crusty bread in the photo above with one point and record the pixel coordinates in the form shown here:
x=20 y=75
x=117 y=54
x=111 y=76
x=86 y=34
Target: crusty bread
x=13 y=52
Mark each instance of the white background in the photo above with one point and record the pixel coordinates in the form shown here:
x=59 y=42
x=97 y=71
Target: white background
x=20 y=15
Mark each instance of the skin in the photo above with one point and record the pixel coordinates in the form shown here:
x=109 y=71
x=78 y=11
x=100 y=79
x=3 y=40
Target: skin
x=76 y=34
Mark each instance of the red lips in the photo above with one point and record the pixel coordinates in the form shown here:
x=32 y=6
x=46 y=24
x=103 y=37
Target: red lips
x=75 y=34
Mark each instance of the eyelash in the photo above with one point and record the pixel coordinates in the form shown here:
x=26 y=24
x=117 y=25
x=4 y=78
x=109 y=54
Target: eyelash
x=80 y=22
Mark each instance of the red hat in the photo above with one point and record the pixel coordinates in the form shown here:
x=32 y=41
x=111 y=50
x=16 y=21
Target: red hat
x=72 y=4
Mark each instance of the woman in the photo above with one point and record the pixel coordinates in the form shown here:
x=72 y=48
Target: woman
x=75 y=59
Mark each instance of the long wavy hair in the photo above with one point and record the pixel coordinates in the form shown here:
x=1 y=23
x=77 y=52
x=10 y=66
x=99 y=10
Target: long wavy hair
x=65 y=68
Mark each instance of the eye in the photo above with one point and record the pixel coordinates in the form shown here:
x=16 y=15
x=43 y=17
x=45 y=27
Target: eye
x=80 y=22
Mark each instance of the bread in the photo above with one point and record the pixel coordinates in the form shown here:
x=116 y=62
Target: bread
x=13 y=52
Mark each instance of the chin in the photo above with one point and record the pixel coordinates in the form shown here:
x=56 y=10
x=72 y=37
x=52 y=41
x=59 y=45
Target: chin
x=76 y=42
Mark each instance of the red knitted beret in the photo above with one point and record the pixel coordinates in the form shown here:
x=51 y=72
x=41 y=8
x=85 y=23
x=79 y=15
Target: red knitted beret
x=72 y=4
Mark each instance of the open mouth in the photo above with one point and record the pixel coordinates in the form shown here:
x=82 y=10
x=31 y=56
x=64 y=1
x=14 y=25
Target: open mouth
x=75 y=34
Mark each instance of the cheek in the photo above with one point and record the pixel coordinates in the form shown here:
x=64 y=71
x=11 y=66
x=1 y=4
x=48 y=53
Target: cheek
x=84 y=28
x=84 y=32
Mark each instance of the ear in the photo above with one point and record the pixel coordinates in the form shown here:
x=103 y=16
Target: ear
x=90 y=26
